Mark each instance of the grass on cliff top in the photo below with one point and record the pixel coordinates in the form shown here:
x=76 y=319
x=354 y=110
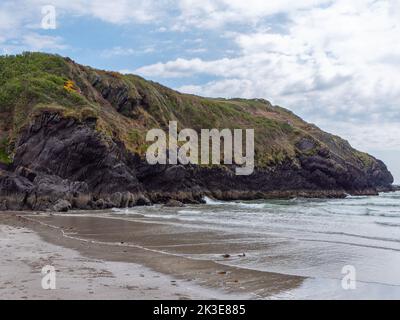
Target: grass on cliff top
x=31 y=80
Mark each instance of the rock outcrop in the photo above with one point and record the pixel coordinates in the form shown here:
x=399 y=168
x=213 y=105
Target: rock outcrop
x=87 y=151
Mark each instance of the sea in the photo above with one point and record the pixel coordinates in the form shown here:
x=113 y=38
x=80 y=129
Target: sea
x=344 y=248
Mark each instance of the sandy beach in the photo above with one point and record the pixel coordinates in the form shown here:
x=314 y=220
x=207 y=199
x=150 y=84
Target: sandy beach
x=99 y=257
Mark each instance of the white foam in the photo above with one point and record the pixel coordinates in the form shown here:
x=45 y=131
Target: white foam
x=234 y=203
x=213 y=202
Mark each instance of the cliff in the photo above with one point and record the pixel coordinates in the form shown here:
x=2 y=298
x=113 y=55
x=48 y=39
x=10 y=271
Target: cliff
x=74 y=137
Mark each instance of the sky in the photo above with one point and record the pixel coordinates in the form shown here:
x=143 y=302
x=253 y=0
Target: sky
x=336 y=63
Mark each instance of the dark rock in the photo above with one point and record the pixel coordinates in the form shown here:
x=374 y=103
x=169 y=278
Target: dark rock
x=142 y=201
x=100 y=204
x=305 y=145
x=75 y=152
x=62 y=206
x=14 y=191
x=60 y=158
x=26 y=173
x=79 y=154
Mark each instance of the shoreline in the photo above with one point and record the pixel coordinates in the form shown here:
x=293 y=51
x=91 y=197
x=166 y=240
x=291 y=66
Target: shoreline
x=79 y=249
x=176 y=199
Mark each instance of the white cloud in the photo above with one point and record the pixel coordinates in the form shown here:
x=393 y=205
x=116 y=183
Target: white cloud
x=123 y=11
x=366 y=136
x=173 y=14
x=325 y=59
x=338 y=61
x=196 y=50
x=216 y=13
x=17 y=18
x=38 y=42
x=116 y=11
x=120 y=51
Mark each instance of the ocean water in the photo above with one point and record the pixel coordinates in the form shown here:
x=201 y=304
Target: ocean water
x=314 y=238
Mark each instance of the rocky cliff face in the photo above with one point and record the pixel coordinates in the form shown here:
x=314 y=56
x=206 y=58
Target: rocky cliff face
x=60 y=164
x=84 y=149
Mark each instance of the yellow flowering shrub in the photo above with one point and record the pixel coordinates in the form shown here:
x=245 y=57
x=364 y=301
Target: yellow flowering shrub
x=70 y=86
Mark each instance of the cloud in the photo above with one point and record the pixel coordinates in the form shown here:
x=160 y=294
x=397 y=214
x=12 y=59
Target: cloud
x=20 y=28
x=177 y=68
x=120 y=51
x=19 y=32
x=167 y=14
x=366 y=136
x=17 y=18
x=123 y=11
x=37 y=42
x=325 y=59
x=7 y=21
x=116 y=11
x=337 y=61
x=216 y=13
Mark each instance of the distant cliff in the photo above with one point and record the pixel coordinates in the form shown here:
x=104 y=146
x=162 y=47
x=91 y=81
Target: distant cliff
x=74 y=137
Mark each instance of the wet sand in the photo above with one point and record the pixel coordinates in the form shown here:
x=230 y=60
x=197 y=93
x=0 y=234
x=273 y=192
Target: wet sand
x=104 y=257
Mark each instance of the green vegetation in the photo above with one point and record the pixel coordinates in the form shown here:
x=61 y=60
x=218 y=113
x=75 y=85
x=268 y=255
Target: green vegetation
x=33 y=82
x=126 y=106
x=4 y=156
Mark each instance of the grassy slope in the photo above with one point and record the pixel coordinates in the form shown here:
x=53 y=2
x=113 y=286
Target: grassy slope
x=33 y=82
